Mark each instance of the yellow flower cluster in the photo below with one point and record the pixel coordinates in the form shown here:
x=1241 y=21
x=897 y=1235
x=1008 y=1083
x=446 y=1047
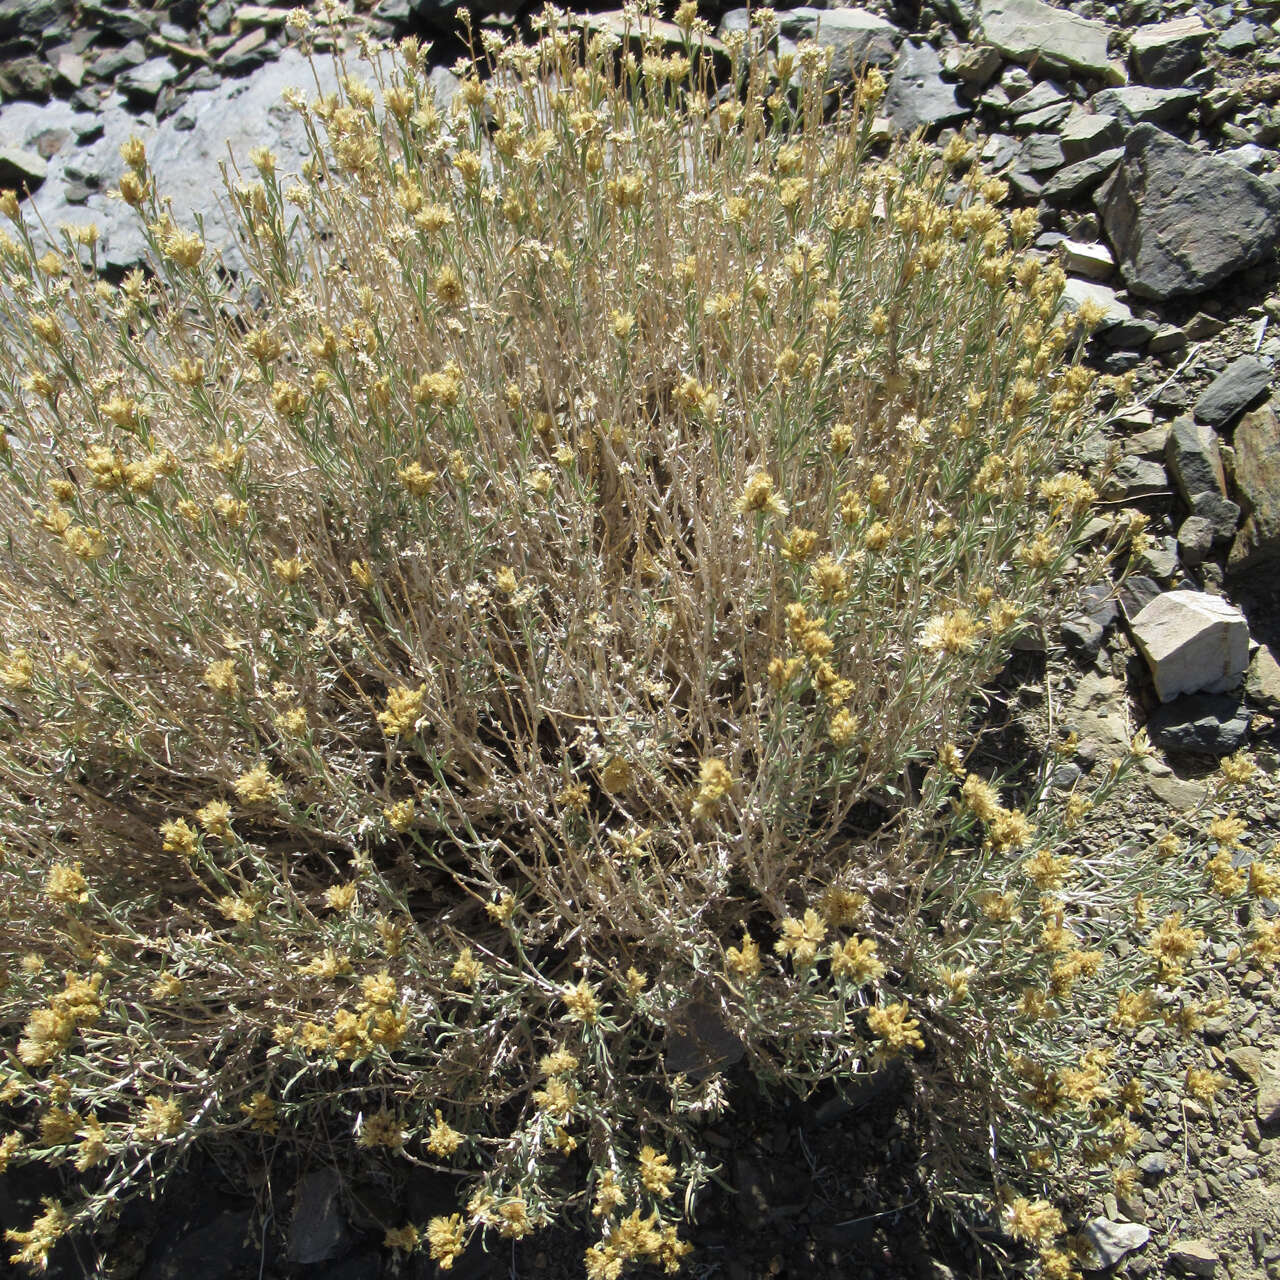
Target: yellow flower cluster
x=1006 y=828
x=48 y=1030
x=403 y=710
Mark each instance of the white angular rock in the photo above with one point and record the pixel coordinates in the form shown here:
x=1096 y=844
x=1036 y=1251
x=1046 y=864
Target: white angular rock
x=1082 y=258
x=1193 y=642
x=1076 y=292
x=1106 y=1242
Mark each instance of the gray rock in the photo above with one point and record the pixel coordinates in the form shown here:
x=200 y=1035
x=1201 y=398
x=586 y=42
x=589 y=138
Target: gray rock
x=1130 y=335
x=1136 y=593
x=144 y=82
x=125 y=22
x=1097 y=710
x=1045 y=94
x=1016 y=81
x=1169 y=337
x=855 y=37
x=1040 y=153
x=1159 y=560
x=1105 y=1242
x=1168 y=52
x=1043 y=118
x=1101 y=605
x=1177 y=795
x=1171 y=397
x=1137 y=104
x=1262 y=683
x=1193 y=643
x=700 y=1041
x=33 y=127
x=1218 y=103
x=1233 y=391
x=26 y=77
x=1029 y=31
x=1135 y=477
x=1207 y=723
x=250 y=51
x=975 y=64
x=1066 y=775
x=1194 y=1258
x=1194 y=459
x=70 y=68
x=1000 y=151
x=995 y=99
x=918 y=97
x=21 y=169
x=1250 y=156
x=1195 y=540
x=1181 y=221
x=1246 y=1061
x=1222 y=514
x=1083 y=176
x=1027 y=186
x=34 y=18
x=110 y=63
x=1202 y=325
x=187 y=152
x=1085 y=133
x=1268 y=1102
x=1082 y=636
x=1257 y=477
x=1239 y=37
x=318 y=1230
x=260 y=15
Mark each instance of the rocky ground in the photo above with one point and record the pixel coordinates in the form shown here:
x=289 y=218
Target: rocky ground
x=1146 y=133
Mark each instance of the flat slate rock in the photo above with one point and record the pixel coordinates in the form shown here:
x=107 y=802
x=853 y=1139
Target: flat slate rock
x=918 y=97
x=1233 y=391
x=21 y=169
x=186 y=150
x=1075 y=180
x=1181 y=221
x=1029 y=31
x=855 y=37
x=1137 y=104
x=144 y=82
x=1045 y=94
x=1085 y=133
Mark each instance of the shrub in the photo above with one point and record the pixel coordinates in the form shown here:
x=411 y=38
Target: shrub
x=537 y=604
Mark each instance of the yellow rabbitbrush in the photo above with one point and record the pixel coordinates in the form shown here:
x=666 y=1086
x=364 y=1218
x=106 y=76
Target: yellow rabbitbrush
x=422 y=686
